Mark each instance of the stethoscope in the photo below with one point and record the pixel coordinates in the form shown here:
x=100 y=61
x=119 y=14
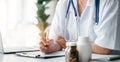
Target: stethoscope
x=97 y=4
x=70 y=3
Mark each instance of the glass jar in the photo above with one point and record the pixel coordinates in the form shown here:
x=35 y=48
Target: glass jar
x=73 y=55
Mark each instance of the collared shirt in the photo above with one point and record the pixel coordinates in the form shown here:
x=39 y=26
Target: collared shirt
x=105 y=34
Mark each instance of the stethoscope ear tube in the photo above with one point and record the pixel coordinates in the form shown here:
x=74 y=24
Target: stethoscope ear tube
x=97 y=4
x=68 y=8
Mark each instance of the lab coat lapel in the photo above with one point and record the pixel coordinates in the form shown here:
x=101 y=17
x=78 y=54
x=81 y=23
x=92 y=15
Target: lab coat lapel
x=90 y=2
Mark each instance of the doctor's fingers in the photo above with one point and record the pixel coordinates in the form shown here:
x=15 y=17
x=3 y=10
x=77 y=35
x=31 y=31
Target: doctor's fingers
x=48 y=42
x=44 y=42
x=46 y=50
x=43 y=48
x=43 y=39
x=45 y=45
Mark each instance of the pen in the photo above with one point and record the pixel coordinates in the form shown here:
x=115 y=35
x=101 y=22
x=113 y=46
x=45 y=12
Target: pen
x=113 y=58
x=45 y=45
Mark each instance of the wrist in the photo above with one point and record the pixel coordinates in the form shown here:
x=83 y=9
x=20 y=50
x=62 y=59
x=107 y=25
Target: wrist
x=61 y=41
x=57 y=46
x=99 y=50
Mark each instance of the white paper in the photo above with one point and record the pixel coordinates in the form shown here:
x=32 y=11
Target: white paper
x=41 y=55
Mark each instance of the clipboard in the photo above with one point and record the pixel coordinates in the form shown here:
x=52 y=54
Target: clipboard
x=38 y=54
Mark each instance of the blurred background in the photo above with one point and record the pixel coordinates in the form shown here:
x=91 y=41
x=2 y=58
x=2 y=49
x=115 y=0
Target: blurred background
x=18 y=22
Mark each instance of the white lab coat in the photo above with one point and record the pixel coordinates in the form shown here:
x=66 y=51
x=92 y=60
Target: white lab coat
x=105 y=34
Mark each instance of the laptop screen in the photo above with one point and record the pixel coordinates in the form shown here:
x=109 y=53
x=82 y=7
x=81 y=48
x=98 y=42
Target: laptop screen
x=5 y=48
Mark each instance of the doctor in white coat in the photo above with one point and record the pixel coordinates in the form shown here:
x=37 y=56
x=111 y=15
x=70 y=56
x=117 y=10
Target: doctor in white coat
x=104 y=34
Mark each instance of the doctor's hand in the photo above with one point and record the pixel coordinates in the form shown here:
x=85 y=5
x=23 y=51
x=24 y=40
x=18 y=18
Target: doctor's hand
x=49 y=46
x=61 y=41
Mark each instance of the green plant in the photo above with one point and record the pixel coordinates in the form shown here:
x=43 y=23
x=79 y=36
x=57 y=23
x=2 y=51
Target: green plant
x=41 y=6
x=42 y=16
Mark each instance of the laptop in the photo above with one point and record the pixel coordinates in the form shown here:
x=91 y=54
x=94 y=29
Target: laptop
x=8 y=49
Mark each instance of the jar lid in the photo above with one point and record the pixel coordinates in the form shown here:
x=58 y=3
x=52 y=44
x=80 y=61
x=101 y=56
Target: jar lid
x=67 y=43
x=83 y=38
x=72 y=43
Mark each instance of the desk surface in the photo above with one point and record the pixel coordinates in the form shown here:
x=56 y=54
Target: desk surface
x=14 y=58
